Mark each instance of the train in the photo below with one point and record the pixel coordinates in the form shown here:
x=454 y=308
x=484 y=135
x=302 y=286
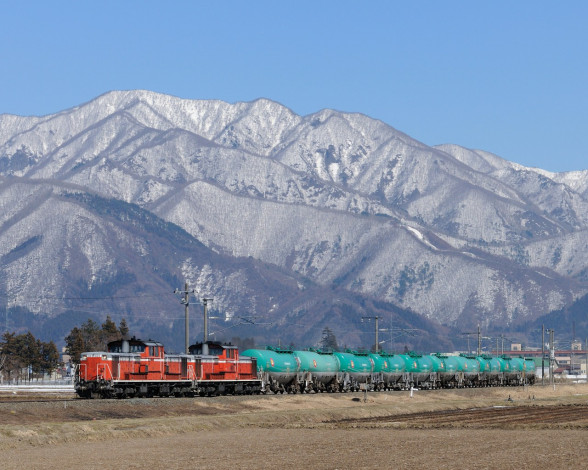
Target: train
x=136 y=368
x=313 y=370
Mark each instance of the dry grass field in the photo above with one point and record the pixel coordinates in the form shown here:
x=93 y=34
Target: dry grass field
x=470 y=428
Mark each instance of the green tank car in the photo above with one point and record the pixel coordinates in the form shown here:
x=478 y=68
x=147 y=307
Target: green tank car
x=356 y=368
x=318 y=370
x=278 y=368
x=394 y=371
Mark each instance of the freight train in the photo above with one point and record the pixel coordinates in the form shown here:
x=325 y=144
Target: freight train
x=135 y=368
x=282 y=370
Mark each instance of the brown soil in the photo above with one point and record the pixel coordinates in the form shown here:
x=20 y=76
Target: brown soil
x=486 y=428
x=507 y=417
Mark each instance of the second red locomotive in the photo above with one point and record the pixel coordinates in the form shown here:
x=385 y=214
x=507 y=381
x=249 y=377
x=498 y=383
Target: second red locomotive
x=135 y=368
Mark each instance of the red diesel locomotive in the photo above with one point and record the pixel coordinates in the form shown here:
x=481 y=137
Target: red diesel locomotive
x=135 y=368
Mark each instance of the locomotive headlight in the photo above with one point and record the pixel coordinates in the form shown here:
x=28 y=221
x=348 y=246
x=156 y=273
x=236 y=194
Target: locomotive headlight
x=104 y=356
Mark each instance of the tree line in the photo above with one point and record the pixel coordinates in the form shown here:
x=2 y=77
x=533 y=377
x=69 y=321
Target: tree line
x=23 y=356
x=93 y=337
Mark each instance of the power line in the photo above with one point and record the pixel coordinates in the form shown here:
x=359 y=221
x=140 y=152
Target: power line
x=109 y=297
x=92 y=310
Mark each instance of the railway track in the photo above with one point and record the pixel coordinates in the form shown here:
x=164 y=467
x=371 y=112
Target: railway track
x=32 y=400
x=35 y=393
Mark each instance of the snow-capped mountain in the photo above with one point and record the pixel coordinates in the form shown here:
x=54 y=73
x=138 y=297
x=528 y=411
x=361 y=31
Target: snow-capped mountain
x=340 y=200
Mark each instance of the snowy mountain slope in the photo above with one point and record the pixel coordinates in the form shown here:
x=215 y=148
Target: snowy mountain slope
x=561 y=196
x=67 y=251
x=454 y=234
x=428 y=185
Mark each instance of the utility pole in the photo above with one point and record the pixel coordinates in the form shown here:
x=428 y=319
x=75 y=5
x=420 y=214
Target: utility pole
x=551 y=355
x=468 y=335
x=376 y=318
x=542 y=354
x=186 y=301
x=204 y=344
x=479 y=341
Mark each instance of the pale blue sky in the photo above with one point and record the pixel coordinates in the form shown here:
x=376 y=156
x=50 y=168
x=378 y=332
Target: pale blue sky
x=507 y=77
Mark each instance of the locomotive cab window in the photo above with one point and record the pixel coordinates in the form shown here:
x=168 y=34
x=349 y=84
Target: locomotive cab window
x=215 y=350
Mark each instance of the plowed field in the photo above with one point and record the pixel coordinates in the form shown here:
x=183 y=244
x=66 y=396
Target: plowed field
x=501 y=417
x=510 y=428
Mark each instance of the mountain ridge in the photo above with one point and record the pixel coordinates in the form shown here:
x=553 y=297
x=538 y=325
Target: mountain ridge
x=460 y=236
